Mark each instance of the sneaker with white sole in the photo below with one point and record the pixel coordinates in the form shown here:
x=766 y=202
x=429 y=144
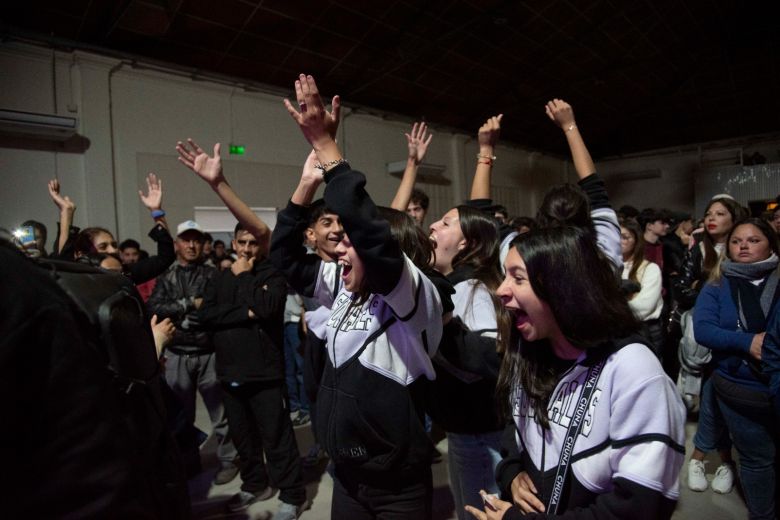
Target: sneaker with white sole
x=244 y=499
x=289 y=511
x=697 y=480
x=302 y=419
x=724 y=479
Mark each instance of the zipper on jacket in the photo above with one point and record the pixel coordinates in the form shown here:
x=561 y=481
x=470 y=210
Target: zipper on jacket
x=332 y=430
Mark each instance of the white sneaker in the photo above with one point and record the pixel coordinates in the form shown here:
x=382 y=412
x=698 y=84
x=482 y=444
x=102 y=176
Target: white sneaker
x=697 y=480
x=289 y=511
x=691 y=403
x=724 y=479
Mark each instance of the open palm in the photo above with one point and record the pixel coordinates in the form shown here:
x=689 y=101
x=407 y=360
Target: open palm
x=196 y=159
x=153 y=198
x=418 y=142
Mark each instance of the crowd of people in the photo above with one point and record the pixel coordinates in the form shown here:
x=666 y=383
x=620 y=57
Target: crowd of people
x=561 y=354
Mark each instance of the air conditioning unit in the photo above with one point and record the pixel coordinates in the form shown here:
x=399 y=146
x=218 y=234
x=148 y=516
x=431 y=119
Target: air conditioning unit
x=426 y=173
x=637 y=176
x=38 y=126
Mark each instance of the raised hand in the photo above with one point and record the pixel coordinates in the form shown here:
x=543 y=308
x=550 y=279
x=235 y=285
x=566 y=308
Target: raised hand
x=561 y=113
x=210 y=170
x=333 y=118
x=316 y=123
x=153 y=199
x=196 y=159
x=311 y=178
x=63 y=203
x=418 y=142
x=311 y=174
x=489 y=132
x=487 y=138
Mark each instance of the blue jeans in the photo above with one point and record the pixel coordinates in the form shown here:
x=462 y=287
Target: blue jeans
x=472 y=459
x=752 y=431
x=293 y=369
x=711 y=432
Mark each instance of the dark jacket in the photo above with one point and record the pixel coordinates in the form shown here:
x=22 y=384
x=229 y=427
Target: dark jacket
x=152 y=267
x=370 y=423
x=77 y=433
x=717 y=325
x=174 y=297
x=683 y=289
x=462 y=397
x=139 y=272
x=248 y=349
x=770 y=358
x=674 y=254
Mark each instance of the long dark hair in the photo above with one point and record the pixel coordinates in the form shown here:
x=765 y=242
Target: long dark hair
x=711 y=258
x=638 y=254
x=410 y=237
x=565 y=205
x=481 y=255
x=84 y=243
x=567 y=271
x=481 y=251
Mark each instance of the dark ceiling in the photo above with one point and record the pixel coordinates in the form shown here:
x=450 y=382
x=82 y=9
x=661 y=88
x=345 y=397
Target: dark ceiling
x=640 y=74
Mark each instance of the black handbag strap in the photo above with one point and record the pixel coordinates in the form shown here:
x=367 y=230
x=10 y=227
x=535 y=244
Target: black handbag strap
x=575 y=427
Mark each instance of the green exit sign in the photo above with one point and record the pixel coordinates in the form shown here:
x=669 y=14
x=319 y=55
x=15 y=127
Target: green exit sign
x=236 y=149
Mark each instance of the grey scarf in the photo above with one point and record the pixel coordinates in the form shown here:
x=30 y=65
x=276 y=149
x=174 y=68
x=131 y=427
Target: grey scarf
x=756 y=271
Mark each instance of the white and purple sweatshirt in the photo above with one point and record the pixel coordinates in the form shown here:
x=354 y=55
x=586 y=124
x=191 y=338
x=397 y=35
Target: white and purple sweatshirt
x=627 y=458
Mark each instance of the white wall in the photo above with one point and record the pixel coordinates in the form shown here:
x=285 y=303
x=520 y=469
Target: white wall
x=674 y=189
x=132 y=118
x=679 y=170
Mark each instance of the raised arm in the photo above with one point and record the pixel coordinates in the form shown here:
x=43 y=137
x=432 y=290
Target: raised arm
x=152 y=267
x=604 y=217
x=287 y=251
x=561 y=113
x=67 y=208
x=346 y=194
x=487 y=138
x=153 y=199
x=209 y=168
x=417 y=142
x=311 y=178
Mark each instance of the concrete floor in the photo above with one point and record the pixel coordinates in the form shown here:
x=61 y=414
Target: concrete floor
x=208 y=502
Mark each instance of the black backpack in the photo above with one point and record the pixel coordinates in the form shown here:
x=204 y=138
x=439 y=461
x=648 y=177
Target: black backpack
x=114 y=322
